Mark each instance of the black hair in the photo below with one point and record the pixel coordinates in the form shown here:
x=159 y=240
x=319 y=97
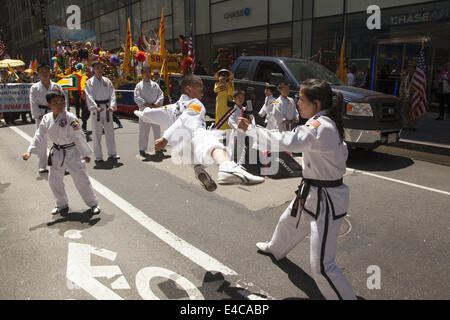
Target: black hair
x=271 y=87
x=283 y=83
x=43 y=65
x=189 y=80
x=315 y=89
x=54 y=94
x=182 y=37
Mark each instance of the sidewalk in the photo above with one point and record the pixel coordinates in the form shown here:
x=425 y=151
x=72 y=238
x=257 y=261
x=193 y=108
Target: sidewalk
x=431 y=136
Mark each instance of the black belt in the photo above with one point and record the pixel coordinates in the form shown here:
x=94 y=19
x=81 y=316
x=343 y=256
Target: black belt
x=107 y=111
x=58 y=147
x=302 y=195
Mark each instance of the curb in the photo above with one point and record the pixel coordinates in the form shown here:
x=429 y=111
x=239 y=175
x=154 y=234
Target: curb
x=429 y=147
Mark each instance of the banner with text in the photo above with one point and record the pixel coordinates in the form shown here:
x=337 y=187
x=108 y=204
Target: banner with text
x=15 y=97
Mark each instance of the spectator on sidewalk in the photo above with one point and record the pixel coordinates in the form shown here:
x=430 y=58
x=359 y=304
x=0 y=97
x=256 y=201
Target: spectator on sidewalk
x=444 y=92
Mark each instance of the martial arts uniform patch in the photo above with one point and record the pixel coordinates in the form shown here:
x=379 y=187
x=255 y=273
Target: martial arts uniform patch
x=314 y=123
x=75 y=125
x=195 y=108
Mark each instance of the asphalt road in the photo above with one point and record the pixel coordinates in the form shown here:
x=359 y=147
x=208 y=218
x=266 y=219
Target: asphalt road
x=162 y=236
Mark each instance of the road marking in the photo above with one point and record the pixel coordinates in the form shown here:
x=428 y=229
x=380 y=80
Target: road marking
x=399 y=181
x=195 y=255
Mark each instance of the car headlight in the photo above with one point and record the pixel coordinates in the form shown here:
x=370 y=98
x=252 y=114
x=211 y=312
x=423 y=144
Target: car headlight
x=359 y=109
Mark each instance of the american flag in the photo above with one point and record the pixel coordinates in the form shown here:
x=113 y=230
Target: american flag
x=2 y=49
x=191 y=47
x=419 y=83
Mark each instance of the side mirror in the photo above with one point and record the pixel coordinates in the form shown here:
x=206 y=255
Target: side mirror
x=276 y=78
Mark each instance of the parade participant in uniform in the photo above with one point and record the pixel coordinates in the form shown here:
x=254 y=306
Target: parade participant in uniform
x=285 y=113
x=267 y=108
x=68 y=151
x=101 y=101
x=224 y=88
x=190 y=130
x=322 y=199
x=38 y=104
x=406 y=95
x=147 y=94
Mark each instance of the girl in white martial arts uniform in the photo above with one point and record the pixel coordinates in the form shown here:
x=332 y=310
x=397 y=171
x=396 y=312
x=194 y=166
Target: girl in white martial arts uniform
x=68 y=151
x=322 y=199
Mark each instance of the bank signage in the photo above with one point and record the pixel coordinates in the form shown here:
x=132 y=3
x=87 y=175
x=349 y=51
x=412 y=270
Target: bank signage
x=238 y=13
x=233 y=14
x=418 y=17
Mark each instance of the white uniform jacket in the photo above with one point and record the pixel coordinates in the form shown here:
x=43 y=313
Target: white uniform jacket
x=100 y=90
x=324 y=156
x=64 y=130
x=37 y=98
x=284 y=109
x=148 y=92
x=191 y=118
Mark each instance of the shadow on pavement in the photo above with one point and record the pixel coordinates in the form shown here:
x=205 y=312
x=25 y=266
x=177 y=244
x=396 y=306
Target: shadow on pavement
x=107 y=165
x=214 y=287
x=376 y=161
x=75 y=220
x=158 y=157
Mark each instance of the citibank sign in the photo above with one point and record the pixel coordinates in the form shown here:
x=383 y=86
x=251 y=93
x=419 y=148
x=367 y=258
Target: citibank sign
x=238 y=13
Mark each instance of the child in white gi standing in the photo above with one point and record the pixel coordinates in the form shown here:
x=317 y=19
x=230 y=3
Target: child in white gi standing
x=147 y=94
x=322 y=199
x=38 y=104
x=68 y=151
x=101 y=101
x=285 y=113
x=267 y=108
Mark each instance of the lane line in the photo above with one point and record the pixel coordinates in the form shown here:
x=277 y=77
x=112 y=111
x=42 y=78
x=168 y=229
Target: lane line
x=195 y=255
x=399 y=181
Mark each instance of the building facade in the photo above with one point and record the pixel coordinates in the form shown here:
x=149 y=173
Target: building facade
x=226 y=29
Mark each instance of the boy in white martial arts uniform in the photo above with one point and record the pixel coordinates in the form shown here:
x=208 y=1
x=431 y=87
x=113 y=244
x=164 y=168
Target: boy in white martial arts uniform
x=147 y=94
x=285 y=112
x=190 y=128
x=68 y=151
x=267 y=108
x=101 y=102
x=322 y=199
x=38 y=104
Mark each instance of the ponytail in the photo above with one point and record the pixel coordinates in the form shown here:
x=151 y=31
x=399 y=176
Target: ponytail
x=336 y=114
x=315 y=89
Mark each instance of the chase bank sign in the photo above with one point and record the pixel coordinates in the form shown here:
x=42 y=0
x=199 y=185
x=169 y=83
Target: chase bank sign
x=237 y=13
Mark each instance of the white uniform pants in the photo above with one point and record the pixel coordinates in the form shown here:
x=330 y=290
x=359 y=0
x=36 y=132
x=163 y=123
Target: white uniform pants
x=42 y=158
x=78 y=172
x=97 y=131
x=324 y=233
x=144 y=133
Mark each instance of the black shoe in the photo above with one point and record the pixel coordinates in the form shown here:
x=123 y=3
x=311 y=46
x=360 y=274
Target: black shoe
x=42 y=171
x=99 y=161
x=60 y=211
x=439 y=118
x=66 y=173
x=142 y=153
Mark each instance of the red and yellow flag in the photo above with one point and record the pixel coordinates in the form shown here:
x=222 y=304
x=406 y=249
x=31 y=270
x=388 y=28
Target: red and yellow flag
x=342 y=72
x=163 y=53
x=127 y=57
x=35 y=65
x=162 y=35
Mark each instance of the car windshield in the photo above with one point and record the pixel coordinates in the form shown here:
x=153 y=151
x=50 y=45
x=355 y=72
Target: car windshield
x=304 y=70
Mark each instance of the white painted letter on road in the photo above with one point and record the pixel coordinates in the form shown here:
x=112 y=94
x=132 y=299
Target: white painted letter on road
x=82 y=274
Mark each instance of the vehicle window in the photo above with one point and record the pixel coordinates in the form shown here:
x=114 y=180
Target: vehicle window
x=265 y=69
x=242 y=69
x=304 y=70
